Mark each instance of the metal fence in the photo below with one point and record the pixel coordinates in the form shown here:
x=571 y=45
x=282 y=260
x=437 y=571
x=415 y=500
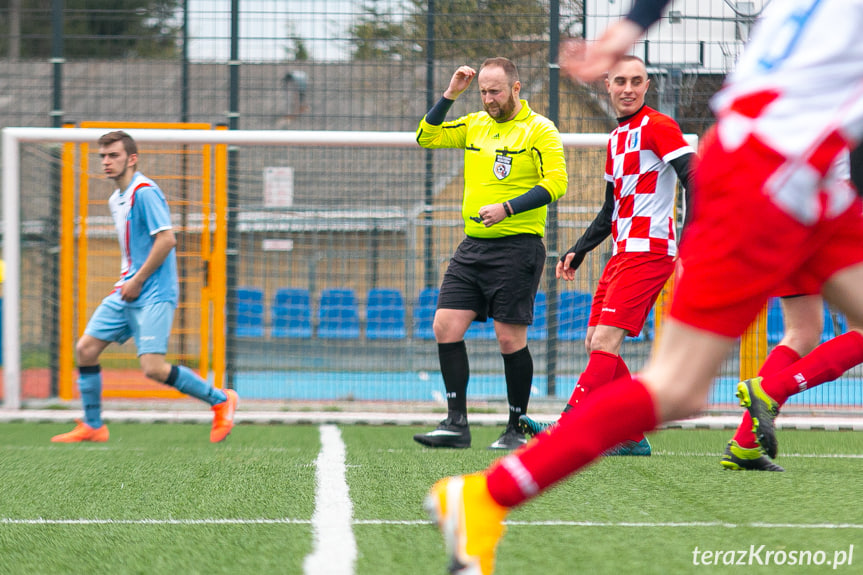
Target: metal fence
x=328 y=64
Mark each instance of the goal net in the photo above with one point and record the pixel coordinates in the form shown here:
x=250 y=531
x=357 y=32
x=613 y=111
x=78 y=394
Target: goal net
x=309 y=266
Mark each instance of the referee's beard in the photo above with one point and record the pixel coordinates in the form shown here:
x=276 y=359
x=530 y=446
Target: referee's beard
x=504 y=112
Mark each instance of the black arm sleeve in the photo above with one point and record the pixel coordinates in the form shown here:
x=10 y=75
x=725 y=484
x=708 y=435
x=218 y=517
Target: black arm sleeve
x=596 y=232
x=536 y=197
x=856 y=165
x=684 y=166
x=646 y=12
x=437 y=114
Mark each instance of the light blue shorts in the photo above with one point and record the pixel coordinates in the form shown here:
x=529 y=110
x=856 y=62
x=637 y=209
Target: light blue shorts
x=149 y=325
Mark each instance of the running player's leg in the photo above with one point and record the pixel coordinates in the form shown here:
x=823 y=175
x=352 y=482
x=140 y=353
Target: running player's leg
x=823 y=363
x=803 y=320
x=88 y=350
x=107 y=324
x=151 y=327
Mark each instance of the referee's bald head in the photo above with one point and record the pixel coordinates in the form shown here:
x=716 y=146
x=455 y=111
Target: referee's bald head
x=504 y=64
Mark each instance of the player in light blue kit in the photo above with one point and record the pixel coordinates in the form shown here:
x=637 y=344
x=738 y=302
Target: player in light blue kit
x=143 y=300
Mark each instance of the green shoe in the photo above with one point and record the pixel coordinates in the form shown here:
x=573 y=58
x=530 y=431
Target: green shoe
x=630 y=447
x=763 y=409
x=532 y=427
x=739 y=458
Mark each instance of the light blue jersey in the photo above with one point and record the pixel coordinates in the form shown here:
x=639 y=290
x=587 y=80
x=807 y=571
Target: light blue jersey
x=140 y=212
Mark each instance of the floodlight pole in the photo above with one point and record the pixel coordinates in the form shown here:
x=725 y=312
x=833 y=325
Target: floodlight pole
x=429 y=276
x=233 y=200
x=52 y=237
x=552 y=223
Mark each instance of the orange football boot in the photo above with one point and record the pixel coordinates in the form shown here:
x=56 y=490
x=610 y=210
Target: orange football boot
x=83 y=432
x=223 y=416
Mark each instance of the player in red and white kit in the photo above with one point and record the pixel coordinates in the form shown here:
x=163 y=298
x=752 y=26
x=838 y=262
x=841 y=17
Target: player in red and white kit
x=646 y=155
x=764 y=211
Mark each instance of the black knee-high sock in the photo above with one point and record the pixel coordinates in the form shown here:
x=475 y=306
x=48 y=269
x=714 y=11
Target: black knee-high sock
x=518 y=367
x=455 y=370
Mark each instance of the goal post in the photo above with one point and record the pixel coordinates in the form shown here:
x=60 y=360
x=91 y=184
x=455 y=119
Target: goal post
x=340 y=235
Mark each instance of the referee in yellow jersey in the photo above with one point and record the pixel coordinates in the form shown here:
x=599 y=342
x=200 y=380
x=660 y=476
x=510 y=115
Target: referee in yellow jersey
x=514 y=167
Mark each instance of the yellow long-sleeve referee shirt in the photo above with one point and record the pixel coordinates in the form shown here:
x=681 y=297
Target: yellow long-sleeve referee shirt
x=503 y=160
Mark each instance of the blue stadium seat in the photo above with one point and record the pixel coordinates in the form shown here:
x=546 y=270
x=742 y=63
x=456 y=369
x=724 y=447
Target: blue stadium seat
x=539 y=329
x=574 y=313
x=385 y=314
x=338 y=317
x=292 y=313
x=775 y=323
x=481 y=330
x=250 y=312
x=423 y=313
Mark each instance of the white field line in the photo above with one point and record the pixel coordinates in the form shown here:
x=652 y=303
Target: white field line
x=246 y=449
x=335 y=549
x=780 y=456
x=409 y=522
x=787 y=421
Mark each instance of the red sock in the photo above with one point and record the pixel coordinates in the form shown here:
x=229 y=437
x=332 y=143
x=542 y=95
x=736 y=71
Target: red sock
x=781 y=357
x=601 y=369
x=621 y=370
x=825 y=363
x=620 y=373
x=604 y=419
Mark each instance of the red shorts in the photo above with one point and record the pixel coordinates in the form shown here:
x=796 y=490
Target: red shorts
x=741 y=248
x=628 y=288
x=798 y=286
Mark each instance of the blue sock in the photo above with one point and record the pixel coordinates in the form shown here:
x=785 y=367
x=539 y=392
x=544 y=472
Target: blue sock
x=90 y=386
x=190 y=383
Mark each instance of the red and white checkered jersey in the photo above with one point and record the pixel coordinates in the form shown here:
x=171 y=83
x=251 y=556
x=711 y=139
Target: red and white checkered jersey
x=798 y=92
x=637 y=163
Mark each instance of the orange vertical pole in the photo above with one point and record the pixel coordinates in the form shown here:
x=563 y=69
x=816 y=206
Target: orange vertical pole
x=83 y=247
x=206 y=257
x=66 y=318
x=753 y=346
x=218 y=267
x=663 y=302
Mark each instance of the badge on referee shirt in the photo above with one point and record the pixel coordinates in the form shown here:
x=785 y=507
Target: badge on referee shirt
x=502 y=166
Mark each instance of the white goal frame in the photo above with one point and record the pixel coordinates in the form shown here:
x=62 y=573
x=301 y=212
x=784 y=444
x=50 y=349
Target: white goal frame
x=13 y=137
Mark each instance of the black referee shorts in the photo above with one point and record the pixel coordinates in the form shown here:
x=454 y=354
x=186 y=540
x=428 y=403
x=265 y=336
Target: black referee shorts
x=496 y=278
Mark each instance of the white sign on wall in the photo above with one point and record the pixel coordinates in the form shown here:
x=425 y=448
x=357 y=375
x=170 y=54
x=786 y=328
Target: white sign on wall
x=276 y=245
x=278 y=187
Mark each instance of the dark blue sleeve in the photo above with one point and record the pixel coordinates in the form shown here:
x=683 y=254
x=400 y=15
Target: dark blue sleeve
x=437 y=114
x=536 y=197
x=646 y=12
x=857 y=168
x=598 y=230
